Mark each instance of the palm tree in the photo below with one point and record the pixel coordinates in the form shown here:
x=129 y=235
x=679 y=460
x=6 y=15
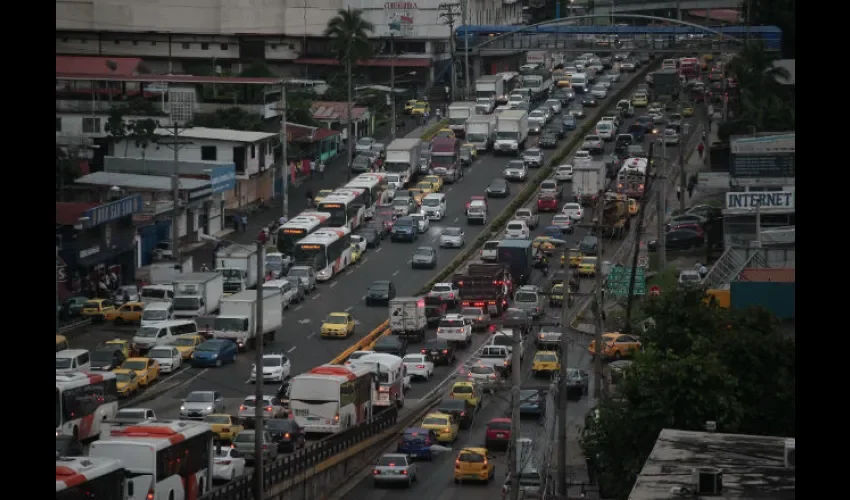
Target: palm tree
x=348 y=31
x=759 y=88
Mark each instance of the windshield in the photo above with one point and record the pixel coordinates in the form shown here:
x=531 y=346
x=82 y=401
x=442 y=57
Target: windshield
x=503 y=340
x=123 y=377
x=443 y=160
x=422 y=252
x=462 y=389
x=393 y=178
x=186 y=303
x=147 y=331
x=339 y=216
x=366 y=141
x=452 y=231
x=546 y=357
x=336 y=320
x=435 y=421
x=379 y=287
x=159 y=353
x=135 y=365
x=537 y=114
x=312 y=253
x=155 y=315
x=525 y=297
x=398 y=167
x=199 y=397
x=275 y=361
x=503 y=135
x=63 y=363
x=105 y=355
x=431 y=202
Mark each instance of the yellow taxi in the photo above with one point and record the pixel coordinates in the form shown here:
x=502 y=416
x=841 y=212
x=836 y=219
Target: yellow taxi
x=546 y=244
x=61 y=343
x=131 y=312
x=126 y=382
x=417 y=195
x=545 y=363
x=224 y=426
x=468 y=391
x=587 y=266
x=408 y=106
x=419 y=108
x=474 y=464
x=186 y=344
x=435 y=180
x=688 y=110
x=445 y=133
x=122 y=344
x=564 y=83
x=96 y=309
x=634 y=207
x=147 y=370
x=425 y=187
x=616 y=345
x=338 y=324
x=356 y=253
x=574 y=256
x=445 y=426
x=322 y=194
x=640 y=101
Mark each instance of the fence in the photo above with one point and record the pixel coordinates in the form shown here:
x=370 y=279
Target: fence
x=286 y=467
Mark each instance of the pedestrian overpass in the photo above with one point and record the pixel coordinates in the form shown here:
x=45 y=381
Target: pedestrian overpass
x=661 y=5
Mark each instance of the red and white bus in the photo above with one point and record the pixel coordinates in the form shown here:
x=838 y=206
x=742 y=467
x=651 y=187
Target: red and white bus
x=391 y=375
x=346 y=206
x=327 y=251
x=689 y=67
x=631 y=179
x=331 y=398
x=375 y=186
x=298 y=227
x=168 y=460
x=83 y=401
x=80 y=478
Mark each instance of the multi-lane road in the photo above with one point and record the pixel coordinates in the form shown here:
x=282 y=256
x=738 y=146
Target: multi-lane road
x=299 y=335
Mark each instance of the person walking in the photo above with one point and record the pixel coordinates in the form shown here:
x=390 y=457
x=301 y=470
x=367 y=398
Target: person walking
x=321 y=168
x=679 y=193
x=700 y=150
x=309 y=196
x=244 y=223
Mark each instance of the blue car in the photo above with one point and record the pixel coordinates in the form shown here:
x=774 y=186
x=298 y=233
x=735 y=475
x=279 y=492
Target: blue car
x=532 y=402
x=553 y=232
x=214 y=352
x=417 y=442
x=404 y=229
x=569 y=122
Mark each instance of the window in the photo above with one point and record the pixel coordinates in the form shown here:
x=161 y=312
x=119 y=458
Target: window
x=273 y=46
x=187 y=45
x=91 y=125
x=186 y=328
x=253 y=151
x=205 y=46
x=58 y=124
x=209 y=153
x=224 y=46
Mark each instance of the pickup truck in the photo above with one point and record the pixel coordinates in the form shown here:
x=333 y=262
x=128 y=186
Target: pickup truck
x=505 y=338
x=455 y=328
x=497 y=356
x=529 y=216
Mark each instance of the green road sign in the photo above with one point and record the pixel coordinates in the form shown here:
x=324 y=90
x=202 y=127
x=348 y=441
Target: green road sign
x=622 y=289
x=618 y=281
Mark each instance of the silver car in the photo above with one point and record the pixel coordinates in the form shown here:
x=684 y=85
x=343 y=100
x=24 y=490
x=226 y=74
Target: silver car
x=298 y=291
x=305 y=274
x=272 y=408
x=554 y=104
x=199 y=404
x=447 y=292
x=452 y=237
x=424 y=257
x=244 y=444
x=516 y=171
x=394 y=468
x=479 y=317
x=533 y=157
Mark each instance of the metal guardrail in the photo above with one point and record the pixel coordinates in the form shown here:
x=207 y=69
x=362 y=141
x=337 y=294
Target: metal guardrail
x=70 y=327
x=288 y=466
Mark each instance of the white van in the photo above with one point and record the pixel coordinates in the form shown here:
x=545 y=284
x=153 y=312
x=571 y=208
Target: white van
x=434 y=206
x=163 y=333
x=157 y=293
x=71 y=360
x=490 y=252
x=579 y=82
x=517 y=230
x=157 y=312
x=285 y=289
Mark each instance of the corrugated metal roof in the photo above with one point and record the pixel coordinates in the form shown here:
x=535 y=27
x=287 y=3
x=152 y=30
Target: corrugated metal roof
x=67 y=212
x=334 y=111
x=97 y=66
x=762 y=274
x=136 y=181
x=218 y=134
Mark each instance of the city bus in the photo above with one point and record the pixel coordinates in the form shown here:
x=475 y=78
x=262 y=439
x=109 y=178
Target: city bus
x=327 y=251
x=331 y=398
x=79 y=478
x=83 y=401
x=631 y=179
x=166 y=460
x=375 y=186
x=304 y=224
x=390 y=373
x=346 y=206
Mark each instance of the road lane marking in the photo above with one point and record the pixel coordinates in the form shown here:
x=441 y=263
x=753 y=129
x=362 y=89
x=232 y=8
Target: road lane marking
x=331 y=285
x=293 y=348
x=304 y=321
x=396 y=273
x=378 y=249
x=299 y=308
x=348 y=309
x=316 y=296
x=313 y=334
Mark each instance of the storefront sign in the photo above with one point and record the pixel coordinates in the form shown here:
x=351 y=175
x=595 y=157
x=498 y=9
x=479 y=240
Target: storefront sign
x=113 y=211
x=223 y=178
x=400 y=17
x=197 y=194
x=775 y=201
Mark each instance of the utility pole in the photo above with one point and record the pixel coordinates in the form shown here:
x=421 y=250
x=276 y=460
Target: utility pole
x=284 y=163
x=466 y=87
x=661 y=209
x=449 y=13
x=259 y=489
x=175 y=143
x=561 y=486
x=599 y=298
x=516 y=381
x=682 y=180
x=638 y=232
x=392 y=84
x=679 y=10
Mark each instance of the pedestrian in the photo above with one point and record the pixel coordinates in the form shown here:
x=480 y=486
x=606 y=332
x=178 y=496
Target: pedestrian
x=281 y=220
x=237 y=221
x=262 y=237
x=244 y=223
x=700 y=150
x=437 y=113
x=679 y=193
x=448 y=93
x=703 y=271
x=692 y=184
x=709 y=123
x=321 y=168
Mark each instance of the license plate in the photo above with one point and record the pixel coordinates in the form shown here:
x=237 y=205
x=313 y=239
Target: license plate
x=383 y=397
x=302 y=413
x=500 y=436
x=434 y=353
x=312 y=418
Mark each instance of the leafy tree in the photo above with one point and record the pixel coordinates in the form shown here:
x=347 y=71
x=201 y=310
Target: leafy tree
x=143 y=133
x=116 y=127
x=700 y=363
x=299 y=107
x=780 y=13
x=349 y=31
x=761 y=99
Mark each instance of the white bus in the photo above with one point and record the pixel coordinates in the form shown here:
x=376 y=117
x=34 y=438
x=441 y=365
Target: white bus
x=167 y=460
x=79 y=478
x=331 y=398
x=327 y=251
x=391 y=374
x=83 y=401
x=631 y=179
x=304 y=224
x=375 y=186
x=346 y=206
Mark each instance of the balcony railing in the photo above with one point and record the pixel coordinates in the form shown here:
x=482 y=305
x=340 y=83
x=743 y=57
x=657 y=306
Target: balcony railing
x=160 y=108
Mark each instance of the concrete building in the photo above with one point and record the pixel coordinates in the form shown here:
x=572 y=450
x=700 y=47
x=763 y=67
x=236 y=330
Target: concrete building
x=688 y=464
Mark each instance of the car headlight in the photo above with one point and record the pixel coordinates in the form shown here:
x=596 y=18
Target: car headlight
x=209 y=408
x=182 y=408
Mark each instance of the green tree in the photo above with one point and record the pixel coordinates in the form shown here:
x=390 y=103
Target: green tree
x=143 y=133
x=779 y=13
x=116 y=127
x=299 y=107
x=700 y=363
x=349 y=33
x=761 y=99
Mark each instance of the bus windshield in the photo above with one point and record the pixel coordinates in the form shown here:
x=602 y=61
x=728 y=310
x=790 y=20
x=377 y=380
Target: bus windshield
x=287 y=237
x=314 y=254
x=339 y=216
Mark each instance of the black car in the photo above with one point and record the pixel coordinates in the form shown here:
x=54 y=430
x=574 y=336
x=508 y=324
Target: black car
x=106 y=358
x=380 y=292
x=607 y=63
x=498 y=188
x=391 y=344
x=371 y=235
x=548 y=139
x=435 y=309
x=517 y=318
x=646 y=122
x=680 y=239
x=558 y=129
x=286 y=433
x=589 y=101
x=462 y=410
x=68 y=446
x=441 y=352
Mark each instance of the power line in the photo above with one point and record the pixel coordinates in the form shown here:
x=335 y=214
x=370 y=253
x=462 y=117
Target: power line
x=450 y=12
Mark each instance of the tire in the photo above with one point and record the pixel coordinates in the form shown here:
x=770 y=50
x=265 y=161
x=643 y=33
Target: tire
x=218 y=363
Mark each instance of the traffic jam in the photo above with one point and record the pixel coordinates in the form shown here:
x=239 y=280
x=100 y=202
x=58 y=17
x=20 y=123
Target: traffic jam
x=357 y=259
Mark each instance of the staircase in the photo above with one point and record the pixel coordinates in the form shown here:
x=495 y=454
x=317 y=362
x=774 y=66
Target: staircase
x=730 y=265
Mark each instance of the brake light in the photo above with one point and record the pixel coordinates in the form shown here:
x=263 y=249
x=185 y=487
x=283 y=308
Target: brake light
x=420 y=366
x=445 y=351
x=463 y=414
x=265 y=447
x=375 y=472
x=451 y=295
x=404 y=472
x=457 y=464
x=336 y=417
x=268 y=408
x=243 y=408
x=493 y=377
x=151 y=495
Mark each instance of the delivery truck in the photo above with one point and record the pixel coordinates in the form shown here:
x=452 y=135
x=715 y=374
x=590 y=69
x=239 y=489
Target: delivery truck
x=403 y=158
x=589 y=180
x=511 y=131
x=238 y=265
x=407 y=317
x=197 y=294
x=238 y=320
x=481 y=131
x=458 y=113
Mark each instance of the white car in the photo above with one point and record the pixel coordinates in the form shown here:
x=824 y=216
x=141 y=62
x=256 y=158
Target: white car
x=599 y=92
x=517 y=230
x=276 y=368
x=396 y=181
x=612 y=119
x=514 y=100
x=573 y=211
x=422 y=222
x=228 y=464
x=131 y=291
x=564 y=173
x=364 y=145
x=272 y=408
x=490 y=251
x=690 y=277
x=671 y=137
x=516 y=170
x=452 y=237
x=419 y=366
x=168 y=357
x=554 y=104
x=359 y=242
x=582 y=155
x=605 y=131
x=656 y=114
x=564 y=222
x=354 y=356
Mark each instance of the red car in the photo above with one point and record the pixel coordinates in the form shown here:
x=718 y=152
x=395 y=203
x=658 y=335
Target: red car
x=547 y=203
x=476 y=198
x=498 y=433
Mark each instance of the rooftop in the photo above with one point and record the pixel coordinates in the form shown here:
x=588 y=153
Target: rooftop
x=753 y=466
x=218 y=134
x=305 y=133
x=97 y=66
x=68 y=212
x=335 y=111
x=137 y=181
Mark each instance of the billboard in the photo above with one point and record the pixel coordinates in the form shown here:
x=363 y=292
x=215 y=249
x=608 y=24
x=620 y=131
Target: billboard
x=401 y=18
x=223 y=178
x=771 y=156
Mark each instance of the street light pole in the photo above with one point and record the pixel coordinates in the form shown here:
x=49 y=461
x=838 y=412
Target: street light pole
x=466 y=87
x=392 y=85
x=284 y=163
x=258 y=383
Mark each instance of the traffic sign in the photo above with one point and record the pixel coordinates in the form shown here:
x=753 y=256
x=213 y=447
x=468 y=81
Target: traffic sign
x=643 y=261
x=655 y=290
x=619 y=279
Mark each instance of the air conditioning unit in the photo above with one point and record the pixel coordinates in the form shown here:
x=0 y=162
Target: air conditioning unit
x=790 y=459
x=707 y=481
